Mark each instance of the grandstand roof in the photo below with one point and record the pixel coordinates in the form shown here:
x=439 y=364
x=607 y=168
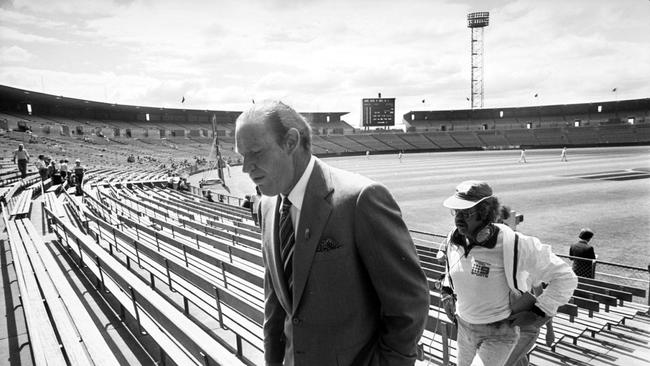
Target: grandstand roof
x=11 y=97
x=543 y=110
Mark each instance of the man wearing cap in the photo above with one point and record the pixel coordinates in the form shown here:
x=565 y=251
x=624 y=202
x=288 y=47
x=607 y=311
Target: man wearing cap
x=583 y=249
x=490 y=272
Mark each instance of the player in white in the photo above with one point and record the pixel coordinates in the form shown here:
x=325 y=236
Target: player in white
x=522 y=157
x=563 y=155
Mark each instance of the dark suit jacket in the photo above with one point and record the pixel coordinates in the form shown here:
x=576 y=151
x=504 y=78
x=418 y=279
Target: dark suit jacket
x=360 y=296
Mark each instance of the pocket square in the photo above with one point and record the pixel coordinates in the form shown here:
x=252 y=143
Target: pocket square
x=326 y=245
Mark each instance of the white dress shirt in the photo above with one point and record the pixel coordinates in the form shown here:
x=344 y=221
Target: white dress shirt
x=297 y=194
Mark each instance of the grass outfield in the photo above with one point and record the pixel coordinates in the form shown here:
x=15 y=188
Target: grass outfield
x=554 y=197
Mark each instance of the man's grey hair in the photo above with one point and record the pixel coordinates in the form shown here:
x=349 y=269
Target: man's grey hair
x=279 y=118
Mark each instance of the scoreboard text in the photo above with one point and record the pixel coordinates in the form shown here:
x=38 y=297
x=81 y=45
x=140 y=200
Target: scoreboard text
x=378 y=111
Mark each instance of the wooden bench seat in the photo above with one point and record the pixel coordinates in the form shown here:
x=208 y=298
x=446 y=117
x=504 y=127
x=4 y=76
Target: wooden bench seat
x=80 y=337
x=42 y=335
x=21 y=205
x=181 y=340
x=212 y=297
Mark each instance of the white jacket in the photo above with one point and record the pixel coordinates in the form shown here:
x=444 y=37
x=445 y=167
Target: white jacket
x=527 y=263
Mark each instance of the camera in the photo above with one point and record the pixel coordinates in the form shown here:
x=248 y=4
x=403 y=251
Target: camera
x=510 y=217
x=518 y=218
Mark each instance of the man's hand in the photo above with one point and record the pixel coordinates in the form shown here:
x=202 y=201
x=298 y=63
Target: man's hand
x=550 y=334
x=449 y=304
x=550 y=337
x=523 y=318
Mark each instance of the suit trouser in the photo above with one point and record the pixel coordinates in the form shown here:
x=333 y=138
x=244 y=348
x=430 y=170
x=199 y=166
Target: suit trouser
x=485 y=344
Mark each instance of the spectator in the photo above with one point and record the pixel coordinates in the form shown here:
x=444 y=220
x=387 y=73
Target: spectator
x=51 y=168
x=42 y=167
x=582 y=249
x=183 y=185
x=63 y=169
x=21 y=157
x=209 y=196
x=247 y=202
x=79 y=172
x=255 y=204
x=486 y=264
x=56 y=176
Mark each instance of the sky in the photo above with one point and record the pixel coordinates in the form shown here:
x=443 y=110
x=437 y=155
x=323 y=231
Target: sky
x=325 y=55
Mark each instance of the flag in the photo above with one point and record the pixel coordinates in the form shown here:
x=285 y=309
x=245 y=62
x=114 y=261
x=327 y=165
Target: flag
x=183 y=100
x=215 y=154
x=214 y=149
x=614 y=90
x=536 y=95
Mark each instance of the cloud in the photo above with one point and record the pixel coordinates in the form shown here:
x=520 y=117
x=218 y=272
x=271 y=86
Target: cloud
x=324 y=55
x=14 y=55
x=71 y=7
x=9 y=35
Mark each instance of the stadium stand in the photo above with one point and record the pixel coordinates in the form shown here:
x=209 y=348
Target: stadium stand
x=442 y=139
x=581 y=135
x=346 y=143
x=372 y=143
x=419 y=141
x=185 y=275
x=466 y=139
x=492 y=138
x=550 y=136
x=395 y=141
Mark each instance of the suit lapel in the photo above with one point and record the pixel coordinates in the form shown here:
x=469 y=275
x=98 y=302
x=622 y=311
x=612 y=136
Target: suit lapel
x=314 y=215
x=272 y=253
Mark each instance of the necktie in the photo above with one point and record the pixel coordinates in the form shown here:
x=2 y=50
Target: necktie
x=287 y=241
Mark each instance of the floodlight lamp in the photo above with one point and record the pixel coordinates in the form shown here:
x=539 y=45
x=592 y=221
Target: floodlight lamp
x=478 y=20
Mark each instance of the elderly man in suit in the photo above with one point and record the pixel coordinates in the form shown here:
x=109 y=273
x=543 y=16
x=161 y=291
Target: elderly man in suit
x=343 y=284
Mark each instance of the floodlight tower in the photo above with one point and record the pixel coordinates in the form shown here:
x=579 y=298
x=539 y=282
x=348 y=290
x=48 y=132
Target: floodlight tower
x=476 y=22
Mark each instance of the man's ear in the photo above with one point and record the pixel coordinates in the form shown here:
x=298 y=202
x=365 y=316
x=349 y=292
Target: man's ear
x=292 y=139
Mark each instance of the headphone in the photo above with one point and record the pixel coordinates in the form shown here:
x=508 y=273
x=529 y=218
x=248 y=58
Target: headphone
x=484 y=234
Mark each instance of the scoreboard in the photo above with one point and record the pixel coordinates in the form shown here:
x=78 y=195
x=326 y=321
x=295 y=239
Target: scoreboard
x=378 y=111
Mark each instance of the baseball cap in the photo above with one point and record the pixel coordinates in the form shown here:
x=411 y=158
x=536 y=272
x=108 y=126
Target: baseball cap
x=468 y=194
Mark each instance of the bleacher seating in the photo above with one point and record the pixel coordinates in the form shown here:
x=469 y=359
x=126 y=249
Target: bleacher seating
x=614 y=134
x=345 y=142
x=582 y=135
x=395 y=141
x=550 y=136
x=371 y=142
x=419 y=141
x=492 y=138
x=466 y=139
x=443 y=139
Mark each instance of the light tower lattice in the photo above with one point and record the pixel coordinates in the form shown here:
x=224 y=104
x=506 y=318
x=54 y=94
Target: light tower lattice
x=476 y=22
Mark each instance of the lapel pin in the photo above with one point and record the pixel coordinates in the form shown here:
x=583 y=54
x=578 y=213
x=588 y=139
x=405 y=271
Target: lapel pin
x=307 y=234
